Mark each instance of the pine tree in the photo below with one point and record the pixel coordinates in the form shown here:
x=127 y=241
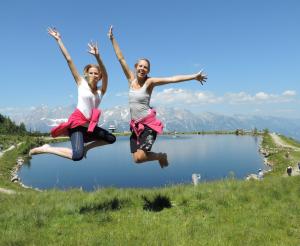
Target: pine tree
x=7 y=126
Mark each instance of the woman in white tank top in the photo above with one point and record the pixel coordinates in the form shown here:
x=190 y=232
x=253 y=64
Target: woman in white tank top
x=82 y=126
x=140 y=90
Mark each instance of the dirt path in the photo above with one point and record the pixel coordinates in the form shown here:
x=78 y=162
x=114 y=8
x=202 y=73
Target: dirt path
x=4 y=190
x=10 y=148
x=279 y=142
x=7 y=191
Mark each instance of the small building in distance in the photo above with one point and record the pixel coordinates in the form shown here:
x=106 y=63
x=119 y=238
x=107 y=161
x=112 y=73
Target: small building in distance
x=112 y=128
x=239 y=132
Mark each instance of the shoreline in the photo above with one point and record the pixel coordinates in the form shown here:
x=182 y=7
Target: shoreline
x=20 y=161
x=265 y=151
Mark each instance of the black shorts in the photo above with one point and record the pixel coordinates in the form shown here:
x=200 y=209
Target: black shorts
x=145 y=141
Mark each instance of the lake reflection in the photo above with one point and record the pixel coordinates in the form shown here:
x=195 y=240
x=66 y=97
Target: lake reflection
x=213 y=156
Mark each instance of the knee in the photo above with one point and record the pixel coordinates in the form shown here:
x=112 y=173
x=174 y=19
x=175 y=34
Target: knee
x=110 y=139
x=77 y=155
x=138 y=158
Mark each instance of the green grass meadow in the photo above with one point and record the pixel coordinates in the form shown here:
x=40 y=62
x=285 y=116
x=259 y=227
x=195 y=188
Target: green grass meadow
x=224 y=212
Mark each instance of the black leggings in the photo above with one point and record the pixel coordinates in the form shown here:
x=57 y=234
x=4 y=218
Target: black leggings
x=79 y=136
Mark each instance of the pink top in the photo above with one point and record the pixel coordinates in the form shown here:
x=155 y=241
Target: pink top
x=150 y=120
x=77 y=119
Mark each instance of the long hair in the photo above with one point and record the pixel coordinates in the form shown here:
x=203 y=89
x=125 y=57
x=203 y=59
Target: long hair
x=86 y=70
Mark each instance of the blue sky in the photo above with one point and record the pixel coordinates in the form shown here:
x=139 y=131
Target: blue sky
x=249 y=49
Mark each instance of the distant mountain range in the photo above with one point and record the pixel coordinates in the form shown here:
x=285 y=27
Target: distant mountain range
x=43 y=118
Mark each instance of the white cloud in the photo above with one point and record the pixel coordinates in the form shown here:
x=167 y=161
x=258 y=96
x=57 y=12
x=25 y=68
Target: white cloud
x=7 y=109
x=187 y=97
x=239 y=97
x=262 y=96
x=289 y=93
x=175 y=96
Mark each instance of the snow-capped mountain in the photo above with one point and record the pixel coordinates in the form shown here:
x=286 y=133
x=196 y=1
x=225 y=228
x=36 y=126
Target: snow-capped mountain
x=44 y=118
x=40 y=118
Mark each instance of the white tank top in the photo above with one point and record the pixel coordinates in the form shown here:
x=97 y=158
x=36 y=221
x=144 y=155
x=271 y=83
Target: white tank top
x=87 y=100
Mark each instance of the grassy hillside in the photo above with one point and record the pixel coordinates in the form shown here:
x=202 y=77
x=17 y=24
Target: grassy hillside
x=226 y=212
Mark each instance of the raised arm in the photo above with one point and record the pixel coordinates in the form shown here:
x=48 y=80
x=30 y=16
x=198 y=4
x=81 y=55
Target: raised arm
x=128 y=73
x=176 y=79
x=55 y=34
x=95 y=52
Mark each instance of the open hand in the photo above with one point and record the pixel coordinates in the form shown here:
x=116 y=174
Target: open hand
x=201 y=77
x=93 y=48
x=54 y=33
x=110 y=33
